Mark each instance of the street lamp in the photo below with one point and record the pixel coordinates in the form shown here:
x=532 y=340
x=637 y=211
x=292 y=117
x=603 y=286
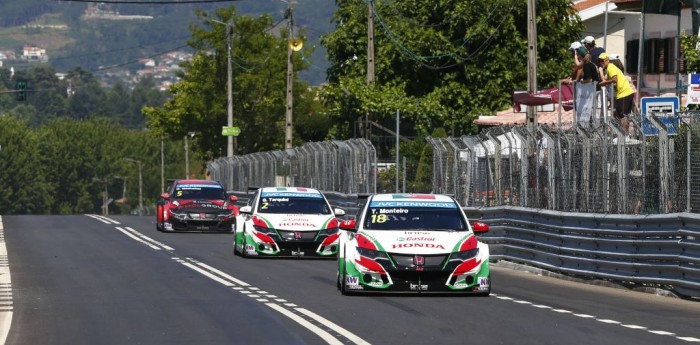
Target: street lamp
x=229 y=83
x=138 y=162
x=187 y=155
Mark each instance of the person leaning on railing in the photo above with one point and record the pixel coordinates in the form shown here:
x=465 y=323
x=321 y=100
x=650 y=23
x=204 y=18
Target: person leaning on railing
x=624 y=94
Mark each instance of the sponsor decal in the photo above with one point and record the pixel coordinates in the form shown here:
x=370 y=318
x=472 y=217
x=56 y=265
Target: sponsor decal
x=249 y=248
x=196 y=186
x=416 y=239
x=350 y=280
x=207 y=205
x=288 y=224
x=484 y=282
x=399 y=204
x=298 y=253
x=418 y=287
x=460 y=285
x=417 y=245
x=416 y=233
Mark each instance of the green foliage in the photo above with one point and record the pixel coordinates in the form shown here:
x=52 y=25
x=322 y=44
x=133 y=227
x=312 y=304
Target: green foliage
x=199 y=101
x=65 y=166
x=442 y=63
x=691 y=53
x=23 y=188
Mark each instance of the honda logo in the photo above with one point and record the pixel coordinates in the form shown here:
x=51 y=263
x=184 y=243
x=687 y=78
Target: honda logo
x=418 y=260
x=202 y=216
x=297 y=234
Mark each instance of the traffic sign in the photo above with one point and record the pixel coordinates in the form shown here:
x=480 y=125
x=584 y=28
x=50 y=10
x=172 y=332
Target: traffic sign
x=230 y=131
x=665 y=108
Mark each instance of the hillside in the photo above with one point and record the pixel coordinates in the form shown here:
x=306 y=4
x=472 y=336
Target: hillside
x=73 y=40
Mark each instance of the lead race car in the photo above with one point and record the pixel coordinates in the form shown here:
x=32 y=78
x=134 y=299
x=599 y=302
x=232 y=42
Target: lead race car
x=287 y=221
x=419 y=243
x=196 y=206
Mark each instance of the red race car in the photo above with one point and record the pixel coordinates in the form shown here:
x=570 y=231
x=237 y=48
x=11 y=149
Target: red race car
x=196 y=206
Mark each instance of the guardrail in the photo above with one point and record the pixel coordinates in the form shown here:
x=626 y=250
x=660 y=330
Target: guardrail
x=653 y=250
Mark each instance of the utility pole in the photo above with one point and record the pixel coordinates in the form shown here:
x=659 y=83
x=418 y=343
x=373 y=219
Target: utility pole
x=531 y=61
x=229 y=85
x=370 y=61
x=290 y=78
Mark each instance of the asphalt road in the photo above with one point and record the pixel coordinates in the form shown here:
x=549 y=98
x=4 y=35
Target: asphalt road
x=87 y=280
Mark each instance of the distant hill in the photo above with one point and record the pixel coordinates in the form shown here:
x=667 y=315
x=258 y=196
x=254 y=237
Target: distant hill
x=71 y=42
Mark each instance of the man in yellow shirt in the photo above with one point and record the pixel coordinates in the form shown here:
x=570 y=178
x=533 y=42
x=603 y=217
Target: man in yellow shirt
x=624 y=94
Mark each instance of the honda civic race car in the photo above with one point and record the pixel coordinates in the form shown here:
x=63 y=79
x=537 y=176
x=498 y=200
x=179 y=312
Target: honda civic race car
x=287 y=221
x=196 y=206
x=419 y=243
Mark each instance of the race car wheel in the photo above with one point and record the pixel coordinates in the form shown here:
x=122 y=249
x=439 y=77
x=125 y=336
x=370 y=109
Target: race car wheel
x=242 y=252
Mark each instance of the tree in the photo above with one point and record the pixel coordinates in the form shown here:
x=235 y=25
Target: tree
x=199 y=101
x=23 y=187
x=443 y=62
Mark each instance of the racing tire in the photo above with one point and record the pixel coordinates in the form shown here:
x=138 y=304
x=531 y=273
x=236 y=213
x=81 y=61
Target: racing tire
x=242 y=252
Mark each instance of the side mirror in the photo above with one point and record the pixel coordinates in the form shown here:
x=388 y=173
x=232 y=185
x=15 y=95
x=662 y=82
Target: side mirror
x=165 y=196
x=233 y=198
x=247 y=209
x=480 y=227
x=339 y=212
x=348 y=225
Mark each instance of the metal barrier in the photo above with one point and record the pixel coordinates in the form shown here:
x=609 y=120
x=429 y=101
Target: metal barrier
x=599 y=169
x=342 y=166
x=654 y=250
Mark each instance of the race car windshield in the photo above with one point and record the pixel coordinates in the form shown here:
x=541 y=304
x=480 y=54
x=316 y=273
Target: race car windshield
x=293 y=205
x=200 y=193
x=414 y=218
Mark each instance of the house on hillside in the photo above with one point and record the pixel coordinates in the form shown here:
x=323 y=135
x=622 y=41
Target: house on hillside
x=616 y=26
x=34 y=54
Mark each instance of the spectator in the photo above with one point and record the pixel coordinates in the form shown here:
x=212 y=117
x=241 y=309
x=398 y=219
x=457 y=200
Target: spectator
x=624 y=94
x=595 y=52
x=578 y=52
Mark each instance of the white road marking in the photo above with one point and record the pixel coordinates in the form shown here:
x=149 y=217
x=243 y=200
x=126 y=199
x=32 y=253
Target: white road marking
x=238 y=285
x=6 y=310
x=103 y=219
x=607 y=321
x=306 y=324
x=134 y=237
x=342 y=331
x=149 y=239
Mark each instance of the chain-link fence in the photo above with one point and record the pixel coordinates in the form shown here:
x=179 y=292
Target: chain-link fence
x=341 y=166
x=595 y=168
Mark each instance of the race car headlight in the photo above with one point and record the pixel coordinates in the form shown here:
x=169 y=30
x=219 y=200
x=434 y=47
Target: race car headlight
x=264 y=230
x=177 y=213
x=329 y=231
x=465 y=255
x=371 y=254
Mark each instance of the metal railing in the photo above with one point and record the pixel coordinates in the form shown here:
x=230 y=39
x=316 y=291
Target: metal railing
x=655 y=250
x=341 y=166
x=596 y=169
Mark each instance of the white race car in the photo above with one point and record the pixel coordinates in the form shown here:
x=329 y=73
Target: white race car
x=287 y=221
x=419 y=243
